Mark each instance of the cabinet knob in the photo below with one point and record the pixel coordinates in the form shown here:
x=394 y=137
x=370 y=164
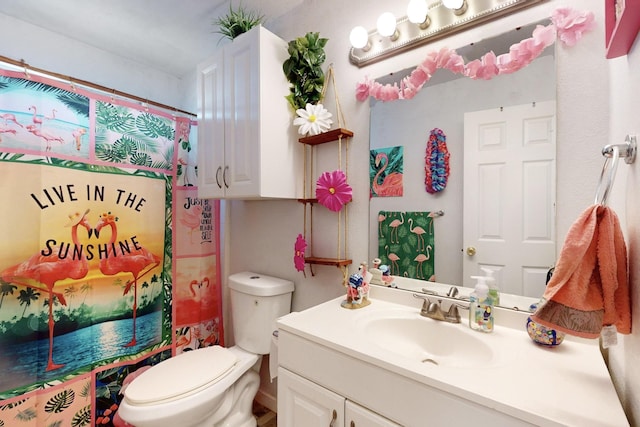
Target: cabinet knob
x=471 y=251
x=218 y=176
x=224 y=177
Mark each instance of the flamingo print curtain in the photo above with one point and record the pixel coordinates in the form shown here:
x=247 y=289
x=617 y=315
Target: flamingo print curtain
x=108 y=260
x=406 y=243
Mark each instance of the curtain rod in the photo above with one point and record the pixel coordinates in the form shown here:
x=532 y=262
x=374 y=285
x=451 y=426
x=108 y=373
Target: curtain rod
x=105 y=89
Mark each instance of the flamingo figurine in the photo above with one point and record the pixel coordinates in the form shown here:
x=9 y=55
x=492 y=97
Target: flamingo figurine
x=48 y=270
x=138 y=262
x=392 y=184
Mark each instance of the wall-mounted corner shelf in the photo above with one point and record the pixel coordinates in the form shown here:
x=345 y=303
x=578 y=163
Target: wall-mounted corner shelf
x=310 y=142
x=335 y=262
x=308 y=201
x=329 y=136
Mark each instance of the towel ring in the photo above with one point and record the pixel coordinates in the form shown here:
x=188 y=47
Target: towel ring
x=610 y=162
x=613 y=153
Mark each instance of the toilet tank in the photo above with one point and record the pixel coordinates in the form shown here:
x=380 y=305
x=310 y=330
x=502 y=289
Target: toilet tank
x=257 y=301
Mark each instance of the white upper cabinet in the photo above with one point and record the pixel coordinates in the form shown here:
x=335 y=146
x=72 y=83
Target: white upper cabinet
x=246 y=147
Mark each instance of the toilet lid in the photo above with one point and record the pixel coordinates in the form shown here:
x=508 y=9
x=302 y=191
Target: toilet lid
x=181 y=375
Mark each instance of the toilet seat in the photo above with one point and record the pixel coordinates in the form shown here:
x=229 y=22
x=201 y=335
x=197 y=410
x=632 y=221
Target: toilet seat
x=181 y=376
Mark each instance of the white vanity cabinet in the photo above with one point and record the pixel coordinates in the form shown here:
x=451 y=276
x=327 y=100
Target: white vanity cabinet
x=315 y=379
x=303 y=403
x=246 y=149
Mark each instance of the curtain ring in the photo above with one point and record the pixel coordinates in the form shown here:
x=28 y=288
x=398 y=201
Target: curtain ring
x=26 y=71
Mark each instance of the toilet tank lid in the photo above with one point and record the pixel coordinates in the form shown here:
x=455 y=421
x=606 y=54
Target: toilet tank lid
x=259 y=284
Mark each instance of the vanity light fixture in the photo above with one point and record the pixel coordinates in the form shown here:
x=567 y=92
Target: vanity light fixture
x=387 y=26
x=458 y=6
x=418 y=13
x=425 y=23
x=359 y=38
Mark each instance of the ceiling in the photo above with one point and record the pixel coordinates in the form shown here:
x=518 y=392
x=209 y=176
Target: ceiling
x=169 y=35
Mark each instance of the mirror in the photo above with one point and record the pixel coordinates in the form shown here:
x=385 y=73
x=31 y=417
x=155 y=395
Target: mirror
x=442 y=104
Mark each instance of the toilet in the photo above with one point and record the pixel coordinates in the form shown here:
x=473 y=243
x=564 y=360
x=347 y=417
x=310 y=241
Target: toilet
x=213 y=386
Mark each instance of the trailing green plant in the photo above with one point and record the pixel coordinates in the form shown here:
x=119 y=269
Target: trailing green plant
x=236 y=22
x=303 y=70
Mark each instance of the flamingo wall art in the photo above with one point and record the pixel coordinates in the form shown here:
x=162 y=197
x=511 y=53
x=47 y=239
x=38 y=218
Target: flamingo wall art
x=406 y=243
x=386 y=171
x=100 y=240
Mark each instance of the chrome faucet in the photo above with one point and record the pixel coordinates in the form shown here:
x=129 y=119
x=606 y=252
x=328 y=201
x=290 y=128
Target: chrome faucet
x=451 y=293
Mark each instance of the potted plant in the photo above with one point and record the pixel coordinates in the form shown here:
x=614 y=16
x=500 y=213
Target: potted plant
x=303 y=70
x=236 y=22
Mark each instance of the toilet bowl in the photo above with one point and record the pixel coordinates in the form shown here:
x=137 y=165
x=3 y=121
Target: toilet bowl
x=213 y=386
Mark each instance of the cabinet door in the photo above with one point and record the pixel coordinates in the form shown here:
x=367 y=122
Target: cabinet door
x=304 y=403
x=357 y=416
x=242 y=115
x=211 y=129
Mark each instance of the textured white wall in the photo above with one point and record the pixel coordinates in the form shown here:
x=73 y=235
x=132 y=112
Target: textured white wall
x=57 y=53
x=624 y=359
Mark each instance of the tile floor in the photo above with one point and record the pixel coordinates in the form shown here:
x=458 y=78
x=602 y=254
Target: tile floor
x=264 y=416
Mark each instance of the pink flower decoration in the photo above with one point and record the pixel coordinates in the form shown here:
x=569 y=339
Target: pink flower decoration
x=418 y=77
x=484 y=68
x=333 y=191
x=384 y=93
x=362 y=90
x=298 y=254
x=571 y=24
x=567 y=24
x=450 y=60
x=545 y=36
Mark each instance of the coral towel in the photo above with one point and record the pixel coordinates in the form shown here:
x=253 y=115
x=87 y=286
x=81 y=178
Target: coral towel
x=589 y=288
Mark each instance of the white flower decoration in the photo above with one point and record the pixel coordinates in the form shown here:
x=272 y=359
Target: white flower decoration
x=313 y=119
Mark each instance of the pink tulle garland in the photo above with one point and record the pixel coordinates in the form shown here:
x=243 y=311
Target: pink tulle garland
x=567 y=24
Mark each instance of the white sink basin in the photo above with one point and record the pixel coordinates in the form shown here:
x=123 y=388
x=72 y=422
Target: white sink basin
x=428 y=341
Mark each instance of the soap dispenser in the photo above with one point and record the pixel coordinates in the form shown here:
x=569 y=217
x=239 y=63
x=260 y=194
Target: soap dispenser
x=494 y=290
x=480 y=306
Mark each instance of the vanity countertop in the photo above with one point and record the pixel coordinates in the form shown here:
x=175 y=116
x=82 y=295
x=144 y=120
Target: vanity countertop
x=566 y=385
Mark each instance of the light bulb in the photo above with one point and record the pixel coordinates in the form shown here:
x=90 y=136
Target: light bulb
x=417 y=11
x=359 y=37
x=387 y=24
x=453 y=4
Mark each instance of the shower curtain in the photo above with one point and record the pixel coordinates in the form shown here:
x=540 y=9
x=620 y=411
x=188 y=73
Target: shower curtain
x=109 y=263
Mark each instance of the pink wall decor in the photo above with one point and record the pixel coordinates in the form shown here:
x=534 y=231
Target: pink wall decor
x=622 y=23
